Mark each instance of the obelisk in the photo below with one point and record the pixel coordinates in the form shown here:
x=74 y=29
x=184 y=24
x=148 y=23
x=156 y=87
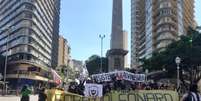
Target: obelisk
x=116 y=53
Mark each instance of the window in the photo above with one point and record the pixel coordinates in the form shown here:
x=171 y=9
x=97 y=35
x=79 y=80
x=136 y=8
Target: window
x=29 y=57
x=21 y=57
x=29 y=6
x=28 y=15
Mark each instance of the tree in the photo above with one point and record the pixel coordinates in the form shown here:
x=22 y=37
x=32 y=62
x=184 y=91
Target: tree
x=132 y=70
x=2 y=62
x=93 y=64
x=66 y=73
x=188 y=48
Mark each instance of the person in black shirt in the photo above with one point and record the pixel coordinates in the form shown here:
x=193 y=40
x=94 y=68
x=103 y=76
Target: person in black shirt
x=42 y=95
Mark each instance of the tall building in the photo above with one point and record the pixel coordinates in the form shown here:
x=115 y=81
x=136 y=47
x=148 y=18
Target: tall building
x=157 y=23
x=125 y=47
x=77 y=65
x=116 y=53
x=63 y=52
x=137 y=31
x=31 y=41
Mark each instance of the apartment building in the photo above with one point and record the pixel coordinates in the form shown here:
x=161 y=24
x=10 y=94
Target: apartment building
x=157 y=23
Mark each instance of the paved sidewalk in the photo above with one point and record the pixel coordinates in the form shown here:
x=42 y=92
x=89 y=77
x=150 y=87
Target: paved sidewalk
x=9 y=98
x=17 y=98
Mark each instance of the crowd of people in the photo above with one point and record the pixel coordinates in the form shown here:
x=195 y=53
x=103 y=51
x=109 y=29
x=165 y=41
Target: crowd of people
x=76 y=88
x=117 y=85
x=120 y=85
x=26 y=92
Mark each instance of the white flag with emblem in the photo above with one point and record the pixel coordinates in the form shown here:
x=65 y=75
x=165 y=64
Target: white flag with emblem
x=93 y=90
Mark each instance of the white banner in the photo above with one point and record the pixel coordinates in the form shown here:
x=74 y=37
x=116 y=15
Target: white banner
x=93 y=90
x=119 y=75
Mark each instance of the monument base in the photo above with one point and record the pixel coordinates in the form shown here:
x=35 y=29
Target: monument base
x=116 y=59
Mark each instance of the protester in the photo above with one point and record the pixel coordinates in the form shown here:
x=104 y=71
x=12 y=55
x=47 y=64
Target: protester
x=106 y=88
x=72 y=87
x=42 y=96
x=192 y=94
x=117 y=84
x=80 y=88
x=25 y=92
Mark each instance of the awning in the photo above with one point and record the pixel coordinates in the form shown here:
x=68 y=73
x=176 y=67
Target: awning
x=27 y=76
x=31 y=63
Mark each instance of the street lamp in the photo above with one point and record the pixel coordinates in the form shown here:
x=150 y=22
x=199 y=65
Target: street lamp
x=146 y=73
x=6 y=59
x=164 y=70
x=178 y=61
x=101 y=37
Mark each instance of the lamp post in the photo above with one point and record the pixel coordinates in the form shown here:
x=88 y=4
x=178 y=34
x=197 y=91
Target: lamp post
x=101 y=37
x=6 y=58
x=178 y=61
x=164 y=70
x=146 y=73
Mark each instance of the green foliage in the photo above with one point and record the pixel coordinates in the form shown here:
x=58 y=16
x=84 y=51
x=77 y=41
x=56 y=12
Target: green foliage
x=66 y=72
x=188 y=48
x=2 y=62
x=132 y=70
x=93 y=64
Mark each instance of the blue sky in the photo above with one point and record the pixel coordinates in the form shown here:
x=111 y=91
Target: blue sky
x=81 y=22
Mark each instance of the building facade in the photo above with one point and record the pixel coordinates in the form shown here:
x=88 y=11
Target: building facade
x=63 y=52
x=138 y=34
x=125 y=47
x=80 y=69
x=77 y=65
x=157 y=23
x=31 y=40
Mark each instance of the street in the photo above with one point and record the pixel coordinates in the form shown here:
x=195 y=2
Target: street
x=17 y=98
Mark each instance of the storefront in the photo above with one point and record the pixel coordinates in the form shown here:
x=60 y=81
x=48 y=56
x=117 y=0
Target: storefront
x=27 y=73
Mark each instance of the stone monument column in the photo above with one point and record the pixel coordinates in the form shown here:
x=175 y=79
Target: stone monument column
x=116 y=53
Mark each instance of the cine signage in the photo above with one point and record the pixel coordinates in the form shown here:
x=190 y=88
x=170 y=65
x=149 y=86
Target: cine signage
x=32 y=69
